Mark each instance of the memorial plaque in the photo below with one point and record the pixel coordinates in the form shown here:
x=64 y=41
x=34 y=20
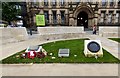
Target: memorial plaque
x=93 y=47
x=63 y=53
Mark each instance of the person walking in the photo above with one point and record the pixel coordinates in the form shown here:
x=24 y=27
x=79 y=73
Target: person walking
x=94 y=29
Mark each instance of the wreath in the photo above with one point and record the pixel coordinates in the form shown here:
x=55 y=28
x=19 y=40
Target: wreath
x=40 y=55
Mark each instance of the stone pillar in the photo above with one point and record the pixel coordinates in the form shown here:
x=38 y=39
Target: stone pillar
x=75 y=21
x=50 y=17
x=96 y=17
x=66 y=4
x=90 y=22
x=58 y=3
x=71 y=19
x=106 y=17
x=66 y=17
x=108 y=3
x=114 y=17
x=116 y=3
x=58 y=17
x=40 y=4
x=49 y=3
x=41 y=11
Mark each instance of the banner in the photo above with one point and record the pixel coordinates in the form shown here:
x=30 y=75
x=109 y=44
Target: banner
x=40 y=20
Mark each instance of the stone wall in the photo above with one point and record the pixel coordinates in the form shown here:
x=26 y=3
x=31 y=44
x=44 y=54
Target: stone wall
x=59 y=30
x=110 y=32
x=13 y=34
x=56 y=33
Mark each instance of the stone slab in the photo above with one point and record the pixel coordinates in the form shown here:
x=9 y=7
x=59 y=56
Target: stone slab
x=110 y=32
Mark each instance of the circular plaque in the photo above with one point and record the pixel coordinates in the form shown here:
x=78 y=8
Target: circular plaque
x=93 y=47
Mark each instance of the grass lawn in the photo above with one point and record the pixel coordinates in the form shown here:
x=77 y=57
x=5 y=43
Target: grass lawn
x=76 y=48
x=115 y=39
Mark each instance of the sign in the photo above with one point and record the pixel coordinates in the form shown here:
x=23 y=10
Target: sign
x=63 y=53
x=40 y=20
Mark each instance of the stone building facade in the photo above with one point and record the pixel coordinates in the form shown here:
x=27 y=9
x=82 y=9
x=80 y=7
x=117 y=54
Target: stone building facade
x=75 y=12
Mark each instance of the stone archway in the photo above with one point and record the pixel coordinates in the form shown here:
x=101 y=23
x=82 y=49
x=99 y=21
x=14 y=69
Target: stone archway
x=86 y=9
x=82 y=19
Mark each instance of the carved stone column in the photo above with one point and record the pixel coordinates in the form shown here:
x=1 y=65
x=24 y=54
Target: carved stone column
x=58 y=3
x=66 y=17
x=49 y=3
x=50 y=17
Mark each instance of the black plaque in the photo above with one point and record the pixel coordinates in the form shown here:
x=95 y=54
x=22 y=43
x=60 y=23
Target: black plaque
x=93 y=47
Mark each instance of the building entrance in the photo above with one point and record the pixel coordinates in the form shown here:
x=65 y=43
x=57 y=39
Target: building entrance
x=82 y=19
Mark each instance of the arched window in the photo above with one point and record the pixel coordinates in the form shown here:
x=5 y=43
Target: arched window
x=119 y=2
x=104 y=2
x=54 y=2
x=110 y=17
x=46 y=17
x=117 y=17
x=62 y=17
x=62 y=2
x=111 y=2
x=54 y=17
x=45 y=2
x=102 y=17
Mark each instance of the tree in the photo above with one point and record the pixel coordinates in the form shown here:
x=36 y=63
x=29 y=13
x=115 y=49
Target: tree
x=10 y=11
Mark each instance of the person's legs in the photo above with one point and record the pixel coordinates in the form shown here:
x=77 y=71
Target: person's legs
x=95 y=32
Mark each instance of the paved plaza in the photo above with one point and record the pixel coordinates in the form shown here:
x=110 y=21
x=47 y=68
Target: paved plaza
x=58 y=69
x=29 y=23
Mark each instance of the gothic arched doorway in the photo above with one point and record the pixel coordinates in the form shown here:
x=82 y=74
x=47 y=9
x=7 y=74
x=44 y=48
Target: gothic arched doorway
x=82 y=19
x=85 y=13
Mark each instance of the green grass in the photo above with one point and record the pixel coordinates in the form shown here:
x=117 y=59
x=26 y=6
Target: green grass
x=76 y=48
x=115 y=39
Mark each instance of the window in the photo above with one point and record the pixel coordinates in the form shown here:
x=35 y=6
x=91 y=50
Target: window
x=102 y=17
x=110 y=17
x=54 y=2
x=111 y=2
x=45 y=2
x=117 y=17
x=62 y=2
x=62 y=17
x=119 y=2
x=54 y=17
x=46 y=17
x=77 y=0
x=35 y=3
x=104 y=2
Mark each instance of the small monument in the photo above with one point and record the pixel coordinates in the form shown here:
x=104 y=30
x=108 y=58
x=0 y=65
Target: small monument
x=93 y=48
x=34 y=51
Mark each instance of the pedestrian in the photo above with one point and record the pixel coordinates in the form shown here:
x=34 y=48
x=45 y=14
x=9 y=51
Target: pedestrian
x=30 y=31
x=94 y=29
